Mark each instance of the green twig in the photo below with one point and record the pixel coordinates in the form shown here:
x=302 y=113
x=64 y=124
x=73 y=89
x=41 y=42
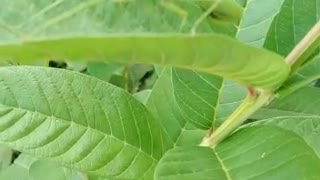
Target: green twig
x=204 y=16
x=250 y=105
x=304 y=48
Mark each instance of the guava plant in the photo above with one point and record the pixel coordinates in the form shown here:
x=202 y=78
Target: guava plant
x=231 y=90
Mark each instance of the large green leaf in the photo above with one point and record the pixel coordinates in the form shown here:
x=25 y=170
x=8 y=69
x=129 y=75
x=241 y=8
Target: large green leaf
x=308 y=127
x=207 y=53
x=248 y=154
x=295 y=19
x=70 y=30
x=199 y=108
x=79 y=122
x=304 y=102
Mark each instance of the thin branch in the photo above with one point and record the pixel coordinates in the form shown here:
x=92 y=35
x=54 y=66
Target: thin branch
x=251 y=104
x=204 y=16
x=312 y=36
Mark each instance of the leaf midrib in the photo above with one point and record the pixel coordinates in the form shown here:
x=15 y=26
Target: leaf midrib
x=86 y=127
x=224 y=168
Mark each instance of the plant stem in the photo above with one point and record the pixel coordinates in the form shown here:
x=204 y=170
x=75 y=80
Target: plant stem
x=300 y=53
x=203 y=16
x=250 y=105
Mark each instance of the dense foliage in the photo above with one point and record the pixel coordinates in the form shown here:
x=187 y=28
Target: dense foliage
x=159 y=89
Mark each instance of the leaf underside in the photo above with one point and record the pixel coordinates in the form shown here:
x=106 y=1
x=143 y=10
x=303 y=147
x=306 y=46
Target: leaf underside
x=79 y=121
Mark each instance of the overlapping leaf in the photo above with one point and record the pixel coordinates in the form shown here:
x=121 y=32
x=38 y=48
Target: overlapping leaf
x=78 y=121
x=70 y=30
x=162 y=104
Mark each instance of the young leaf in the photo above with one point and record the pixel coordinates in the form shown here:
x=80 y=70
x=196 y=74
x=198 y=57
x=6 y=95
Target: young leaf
x=248 y=154
x=78 y=121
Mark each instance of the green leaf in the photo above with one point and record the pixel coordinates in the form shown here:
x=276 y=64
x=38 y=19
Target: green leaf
x=102 y=71
x=5 y=157
x=15 y=172
x=227 y=10
x=256 y=21
x=304 y=76
x=73 y=18
x=69 y=30
x=25 y=160
x=119 y=80
x=231 y=96
x=190 y=135
x=162 y=103
x=248 y=154
x=292 y=23
x=19 y=169
x=137 y=75
x=79 y=122
x=43 y=169
x=303 y=102
x=215 y=54
x=198 y=105
x=242 y=2
x=306 y=127
x=143 y=96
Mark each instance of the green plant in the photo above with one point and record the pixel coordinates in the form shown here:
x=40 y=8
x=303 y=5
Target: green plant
x=179 y=117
